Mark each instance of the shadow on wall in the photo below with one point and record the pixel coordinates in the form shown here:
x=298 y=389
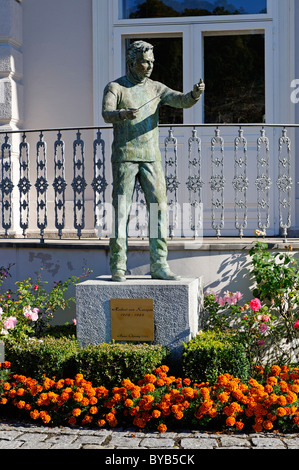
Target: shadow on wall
x=234 y=275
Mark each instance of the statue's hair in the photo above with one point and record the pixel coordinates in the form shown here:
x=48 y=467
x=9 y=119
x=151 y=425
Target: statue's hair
x=136 y=49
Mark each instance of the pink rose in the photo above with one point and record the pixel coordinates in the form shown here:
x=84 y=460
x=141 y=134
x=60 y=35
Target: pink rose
x=263 y=327
x=31 y=314
x=255 y=304
x=221 y=302
x=10 y=323
x=296 y=325
x=238 y=295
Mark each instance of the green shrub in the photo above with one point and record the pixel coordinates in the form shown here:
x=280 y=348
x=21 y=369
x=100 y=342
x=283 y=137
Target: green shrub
x=50 y=356
x=109 y=364
x=104 y=364
x=210 y=354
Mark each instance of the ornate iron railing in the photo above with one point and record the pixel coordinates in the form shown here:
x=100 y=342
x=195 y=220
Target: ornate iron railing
x=220 y=180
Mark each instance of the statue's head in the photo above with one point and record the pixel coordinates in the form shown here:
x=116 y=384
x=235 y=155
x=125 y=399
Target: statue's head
x=140 y=59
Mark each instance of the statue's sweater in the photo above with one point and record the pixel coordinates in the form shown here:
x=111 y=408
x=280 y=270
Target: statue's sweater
x=138 y=139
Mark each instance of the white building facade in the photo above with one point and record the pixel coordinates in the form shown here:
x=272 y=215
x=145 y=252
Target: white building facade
x=56 y=58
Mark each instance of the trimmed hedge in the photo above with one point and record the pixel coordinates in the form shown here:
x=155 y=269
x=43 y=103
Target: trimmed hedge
x=104 y=364
x=109 y=364
x=50 y=356
x=210 y=354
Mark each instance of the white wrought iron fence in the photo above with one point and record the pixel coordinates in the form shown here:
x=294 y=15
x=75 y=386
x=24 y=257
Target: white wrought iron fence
x=220 y=180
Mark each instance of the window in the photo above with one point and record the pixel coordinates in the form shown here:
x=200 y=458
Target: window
x=235 y=78
x=168 y=69
x=174 y=8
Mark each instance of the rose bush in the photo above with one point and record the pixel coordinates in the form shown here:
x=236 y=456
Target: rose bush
x=269 y=324
x=27 y=311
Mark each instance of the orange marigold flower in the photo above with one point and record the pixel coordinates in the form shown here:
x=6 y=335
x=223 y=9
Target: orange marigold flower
x=93 y=410
x=230 y=421
x=205 y=392
x=156 y=414
x=162 y=428
x=101 y=423
x=129 y=402
x=282 y=400
x=93 y=400
x=6 y=386
x=78 y=396
x=291 y=397
x=239 y=425
x=150 y=378
x=223 y=397
x=34 y=414
x=76 y=412
x=257 y=427
x=21 y=404
x=72 y=421
x=296 y=419
x=272 y=380
x=281 y=411
x=275 y=370
x=186 y=381
x=267 y=424
x=223 y=380
x=160 y=382
x=87 y=419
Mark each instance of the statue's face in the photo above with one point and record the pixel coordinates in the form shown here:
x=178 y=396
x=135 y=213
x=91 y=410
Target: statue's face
x=144 y=65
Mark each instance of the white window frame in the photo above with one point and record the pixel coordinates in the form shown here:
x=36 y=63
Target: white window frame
x=278 y=24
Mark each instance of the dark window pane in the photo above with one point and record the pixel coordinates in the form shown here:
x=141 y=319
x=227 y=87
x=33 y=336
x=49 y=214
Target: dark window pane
x=169 y=8
x=168 y=69
x=235 y=78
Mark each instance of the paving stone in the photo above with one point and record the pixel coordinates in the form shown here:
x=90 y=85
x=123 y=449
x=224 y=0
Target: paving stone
x=158 y=443
x=195 y=443
x=10 y=444
x=267 y=442
x=88 y=439
x=124 y=441
x=9 y=435
x=231 y=441
x=291 y=443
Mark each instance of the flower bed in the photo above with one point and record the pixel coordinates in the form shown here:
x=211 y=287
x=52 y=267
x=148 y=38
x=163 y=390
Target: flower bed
x=159 y=401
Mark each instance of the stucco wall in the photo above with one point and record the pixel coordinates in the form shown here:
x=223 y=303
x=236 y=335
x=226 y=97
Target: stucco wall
x=57 y=52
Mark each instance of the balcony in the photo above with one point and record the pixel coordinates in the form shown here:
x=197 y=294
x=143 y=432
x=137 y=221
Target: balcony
x=222 y=181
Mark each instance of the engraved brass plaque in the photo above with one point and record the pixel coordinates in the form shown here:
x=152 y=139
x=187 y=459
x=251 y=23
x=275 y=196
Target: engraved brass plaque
x=132 y=319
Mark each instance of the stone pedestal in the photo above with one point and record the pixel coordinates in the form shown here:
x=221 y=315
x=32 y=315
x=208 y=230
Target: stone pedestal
x=176 y=308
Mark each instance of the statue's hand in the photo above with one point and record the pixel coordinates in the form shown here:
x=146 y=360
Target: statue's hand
x=130 y=113
x=198 y=89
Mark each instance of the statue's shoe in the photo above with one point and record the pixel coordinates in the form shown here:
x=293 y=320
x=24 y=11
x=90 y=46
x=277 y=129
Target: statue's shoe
x=165 y=275
x=118 y=276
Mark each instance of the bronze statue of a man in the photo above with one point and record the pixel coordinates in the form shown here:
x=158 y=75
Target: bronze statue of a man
x=131 y=103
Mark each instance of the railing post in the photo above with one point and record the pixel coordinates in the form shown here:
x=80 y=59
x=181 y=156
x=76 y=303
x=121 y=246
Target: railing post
x=24 y=184
x=79 y=184
x=6 y=184
x=99 y=183
x=41 y=185
x=194 y=182
x=217 y=182
x=171 y=177
x=240 y=183
x=263 y=182
x=59 y=184
x=284 y=183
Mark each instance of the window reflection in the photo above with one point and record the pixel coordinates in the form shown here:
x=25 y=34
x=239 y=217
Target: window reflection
x=173 y=8
x=168 y=69
x=235 y=78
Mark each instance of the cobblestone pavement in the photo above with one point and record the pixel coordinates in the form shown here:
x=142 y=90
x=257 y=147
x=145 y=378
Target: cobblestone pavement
x=28 y=436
